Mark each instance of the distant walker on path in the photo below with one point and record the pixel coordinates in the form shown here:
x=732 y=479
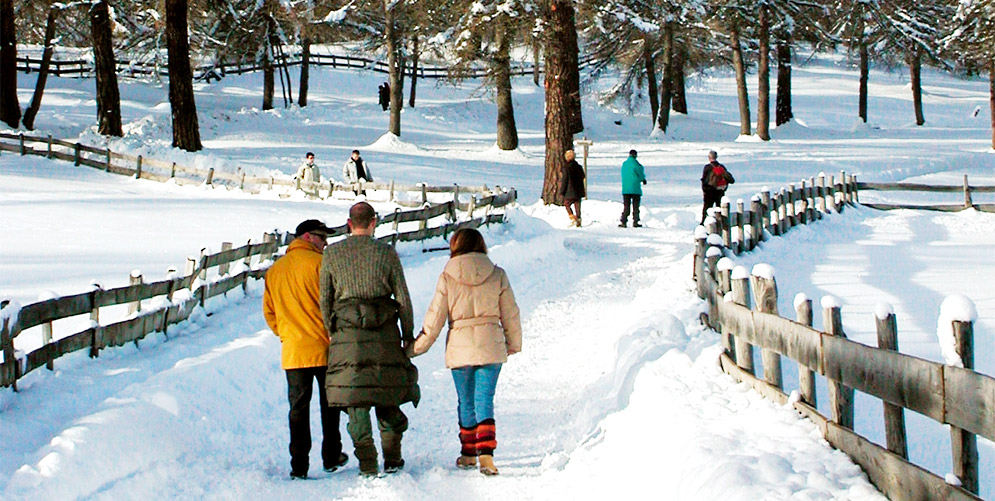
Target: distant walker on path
x=632 y=176
x=572 y=187
x=715 y=178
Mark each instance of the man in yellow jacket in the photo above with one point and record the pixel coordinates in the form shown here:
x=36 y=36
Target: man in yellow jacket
x=292 y=310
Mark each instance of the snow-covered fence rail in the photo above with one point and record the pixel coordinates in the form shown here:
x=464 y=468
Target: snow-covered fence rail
x=946 y=393
x=177 y=297
x=157 y=170
x=773 y=213
x=966 y=189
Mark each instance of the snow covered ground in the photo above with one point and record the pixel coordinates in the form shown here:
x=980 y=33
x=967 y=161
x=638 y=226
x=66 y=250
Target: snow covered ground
x=616 y=392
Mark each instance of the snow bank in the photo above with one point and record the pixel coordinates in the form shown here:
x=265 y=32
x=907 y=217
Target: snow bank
x=392 y=143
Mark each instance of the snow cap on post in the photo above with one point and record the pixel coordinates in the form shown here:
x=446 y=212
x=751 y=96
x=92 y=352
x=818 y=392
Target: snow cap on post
x=709 y=220
x=10 y=312
x=740 y=273
x=882 y=310
x=713 y=252
x=716 y=240
x=955 y=308
x=700 y=233
x=725 y=264
x=830 y=301
x=800 y=298
x=46 y=295
x=763 y=270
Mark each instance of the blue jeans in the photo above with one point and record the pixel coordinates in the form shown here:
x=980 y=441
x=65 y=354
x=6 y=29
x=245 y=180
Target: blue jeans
x=475 y=387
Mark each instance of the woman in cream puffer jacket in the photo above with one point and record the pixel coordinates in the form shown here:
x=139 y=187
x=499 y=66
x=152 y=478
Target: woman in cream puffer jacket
x=475 y=297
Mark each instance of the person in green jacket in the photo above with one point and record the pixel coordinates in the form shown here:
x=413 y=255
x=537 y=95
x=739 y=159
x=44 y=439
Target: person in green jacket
x=632 y=176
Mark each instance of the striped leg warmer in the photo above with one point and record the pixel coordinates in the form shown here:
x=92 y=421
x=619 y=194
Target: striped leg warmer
x=468 y=441
x=486 y=438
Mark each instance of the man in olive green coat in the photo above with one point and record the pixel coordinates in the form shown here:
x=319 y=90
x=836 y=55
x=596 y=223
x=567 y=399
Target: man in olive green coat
x=363 y=296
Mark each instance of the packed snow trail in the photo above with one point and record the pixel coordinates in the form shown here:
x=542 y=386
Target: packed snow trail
x=616 y=392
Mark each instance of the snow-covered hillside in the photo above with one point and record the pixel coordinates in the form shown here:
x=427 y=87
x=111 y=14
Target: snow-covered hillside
x=616 y=392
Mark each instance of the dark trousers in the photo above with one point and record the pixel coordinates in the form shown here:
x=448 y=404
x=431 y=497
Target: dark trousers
x=572 y=203
x=300 y=383
x=712 y=198
x=633 y=202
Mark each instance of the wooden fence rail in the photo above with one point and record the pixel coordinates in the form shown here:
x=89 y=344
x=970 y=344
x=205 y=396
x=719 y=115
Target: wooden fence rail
x=157 y=170
x=959 y=397
x=964 y=188
x=184 y=293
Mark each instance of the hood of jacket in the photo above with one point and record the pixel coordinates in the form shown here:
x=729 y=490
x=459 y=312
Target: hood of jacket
x=470 y=269
x=301 y=244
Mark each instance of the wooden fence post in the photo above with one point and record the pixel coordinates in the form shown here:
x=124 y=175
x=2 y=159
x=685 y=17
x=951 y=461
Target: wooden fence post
x=424 y=194
x=223 y=267
x=806 y=376
x=844 y=189
x=48 y=154
x=95 y=321
x=741 y=296
x=107 y=160
x=391 y=199
x=790 y=209
x=134 y=279
x=210 y=178
x=247 y=263
x=765 y=298
x=803 y=199
x=7 y=345
x=700 y=235
x=840 y=396
x=24 y=150
x=172 y=171
x=725 y=266
x=765 y=211
x=241 y=181
x=76 y=154
x=267 y=238
x=756 y=230
x=894 y=416
x=967 y=194
x=964 y=443
x=46 y=338
x=723 y=220
x=856 y=190
x=740 y=226
x=271 y=184
x=138 y=167
x=820 y=195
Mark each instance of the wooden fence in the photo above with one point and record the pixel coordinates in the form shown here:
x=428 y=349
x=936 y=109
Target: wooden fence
x=81 y=67
x=959 y=397
x=140 y=167
x=965 y=188
x=184 y=293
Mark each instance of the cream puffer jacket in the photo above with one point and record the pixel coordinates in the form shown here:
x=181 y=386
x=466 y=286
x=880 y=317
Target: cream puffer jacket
x=476 y=298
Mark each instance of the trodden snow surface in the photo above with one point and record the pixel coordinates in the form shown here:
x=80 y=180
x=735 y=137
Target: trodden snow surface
x=617 y=392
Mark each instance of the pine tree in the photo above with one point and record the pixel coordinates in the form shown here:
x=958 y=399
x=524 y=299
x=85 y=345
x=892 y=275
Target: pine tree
x=10 y=110
x=108 y=95
x=186 y=131
x=971 y=38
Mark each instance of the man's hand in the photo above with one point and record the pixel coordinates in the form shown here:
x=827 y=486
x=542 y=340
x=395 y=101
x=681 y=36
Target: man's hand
x=644 y=181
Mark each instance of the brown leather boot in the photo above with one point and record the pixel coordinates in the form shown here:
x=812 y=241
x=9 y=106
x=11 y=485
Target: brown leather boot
x=466 y=462
x=487 y=465
x=391 y=443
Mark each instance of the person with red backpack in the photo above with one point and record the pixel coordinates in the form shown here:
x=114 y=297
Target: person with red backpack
x=715 y=178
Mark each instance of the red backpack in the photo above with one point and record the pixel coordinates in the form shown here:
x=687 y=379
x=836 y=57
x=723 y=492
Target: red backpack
x=717 y=178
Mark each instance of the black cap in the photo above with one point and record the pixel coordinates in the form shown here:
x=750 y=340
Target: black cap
x=632 y=153
x=311 y=225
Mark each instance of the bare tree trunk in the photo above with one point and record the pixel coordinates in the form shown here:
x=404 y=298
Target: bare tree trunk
x=864 y=73
x=648 y=49
x=10 y=109
x=740 y=67
x=108 y=95
x=783 y=113
x=414 y=72
x=507 y=132
x=46 y=60
x=305 y=69
x=186 y=131
x=268 y=76
x=915 y=68
x=666 y=81
x=679 y=102
x=763 y=75
x=991 y=94
x=536 y=49
x=559 y=136
x=571 y=72
x=396 y=92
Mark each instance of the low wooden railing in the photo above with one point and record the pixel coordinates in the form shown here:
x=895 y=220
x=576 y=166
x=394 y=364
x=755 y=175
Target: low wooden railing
x=966 y=189
x=956 y=396
x=184 y=293
x=140 y=167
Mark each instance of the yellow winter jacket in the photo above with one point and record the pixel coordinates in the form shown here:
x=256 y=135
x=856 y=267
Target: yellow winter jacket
x=291 y=308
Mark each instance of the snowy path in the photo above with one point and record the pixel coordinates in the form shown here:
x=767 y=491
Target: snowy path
x=611 y=338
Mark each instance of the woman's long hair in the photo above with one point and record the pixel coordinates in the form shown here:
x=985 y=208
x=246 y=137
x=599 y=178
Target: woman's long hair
x=466 y=240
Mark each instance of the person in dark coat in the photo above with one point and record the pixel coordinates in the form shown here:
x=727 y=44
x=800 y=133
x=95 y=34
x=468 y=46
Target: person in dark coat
x=715 y=178
x=384 y=91
x=572 y=187
x=363 y=296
